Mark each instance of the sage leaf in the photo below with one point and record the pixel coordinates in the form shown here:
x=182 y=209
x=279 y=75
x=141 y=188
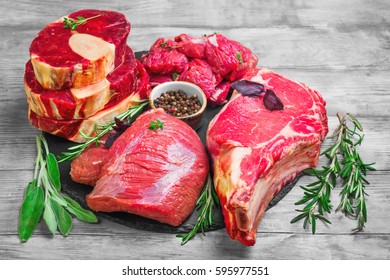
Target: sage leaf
x=50 y=217
x=64 y=220
x=80 y=213
x=31 y=185
x=30 y=213
x=248 y=88
x=54 y=172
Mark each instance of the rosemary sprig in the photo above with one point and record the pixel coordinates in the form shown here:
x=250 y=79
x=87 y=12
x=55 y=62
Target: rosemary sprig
x=100 y=131
x=351 y=170
x=42 y=196
x=353 y=174
x=206 y=202
x=73 y=24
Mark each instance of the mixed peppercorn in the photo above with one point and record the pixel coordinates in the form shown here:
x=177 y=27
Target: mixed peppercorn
x=177 y=103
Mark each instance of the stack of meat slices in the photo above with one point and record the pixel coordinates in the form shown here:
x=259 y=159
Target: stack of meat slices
x=77 y=78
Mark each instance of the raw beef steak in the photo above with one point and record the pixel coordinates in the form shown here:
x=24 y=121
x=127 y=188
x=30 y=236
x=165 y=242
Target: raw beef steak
x=73 y=129
x=228 y=58
x=256 y=151
x=64 y=58
x=80 y=103
x=164 y=59
x=192 y=47
x=157 y=174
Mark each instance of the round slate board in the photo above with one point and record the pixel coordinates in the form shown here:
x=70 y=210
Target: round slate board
x=79 y=192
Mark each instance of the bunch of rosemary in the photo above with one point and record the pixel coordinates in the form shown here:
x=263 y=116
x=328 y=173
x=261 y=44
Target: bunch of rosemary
x=345 y=164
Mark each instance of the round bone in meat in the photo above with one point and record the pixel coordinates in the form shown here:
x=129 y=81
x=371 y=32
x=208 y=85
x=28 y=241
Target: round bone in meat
x=80 y=103
x=64 y=58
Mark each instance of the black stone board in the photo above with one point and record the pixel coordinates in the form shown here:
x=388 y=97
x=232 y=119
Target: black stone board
x=78 y=192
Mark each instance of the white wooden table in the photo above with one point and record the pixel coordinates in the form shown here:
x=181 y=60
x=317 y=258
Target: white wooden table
x=340 y=48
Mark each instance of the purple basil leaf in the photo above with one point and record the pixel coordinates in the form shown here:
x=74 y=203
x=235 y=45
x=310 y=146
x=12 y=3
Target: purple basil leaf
x=271 y=101
x=111 y=139
x=248 y=88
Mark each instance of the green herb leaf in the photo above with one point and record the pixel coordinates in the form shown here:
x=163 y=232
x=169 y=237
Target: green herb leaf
x=50 y=217
x=31 y=185
x=82 y=214
x=30 y=213
x=73 y=24
x=64 y=220
x=156 y=124
x=351 y=170
x=239 y=58
x=175 y=76
x=53 y=171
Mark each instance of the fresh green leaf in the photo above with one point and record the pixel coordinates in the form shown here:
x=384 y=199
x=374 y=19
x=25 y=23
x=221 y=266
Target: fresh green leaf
x=355 y=121
x=156 y=124
x=82 y=214
x=50 y=218
x=73 y=24
x=64 y=220
x=239 y=58
x=299 y=217
x=30 y=213
x=53 y=171
x=350 y=169
x=31 y=185
x=175 y=76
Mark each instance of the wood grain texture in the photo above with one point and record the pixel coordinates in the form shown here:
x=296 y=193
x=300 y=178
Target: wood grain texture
x=340 y=48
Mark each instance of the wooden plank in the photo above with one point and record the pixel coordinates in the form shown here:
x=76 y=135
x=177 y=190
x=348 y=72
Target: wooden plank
x=275 y=220
x=322 y=49
x=344 y=15
x=215 y=246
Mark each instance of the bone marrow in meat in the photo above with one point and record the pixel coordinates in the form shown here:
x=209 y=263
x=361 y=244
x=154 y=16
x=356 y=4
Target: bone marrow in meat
x=73 y=129
x=80 y=103
x=64 y=58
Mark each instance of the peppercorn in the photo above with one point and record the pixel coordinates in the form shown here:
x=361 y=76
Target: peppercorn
x=178 y=103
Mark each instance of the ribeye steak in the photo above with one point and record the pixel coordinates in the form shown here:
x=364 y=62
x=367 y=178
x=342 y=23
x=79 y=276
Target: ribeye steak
x=256 y=151
x=156 y=174
x=64 y=58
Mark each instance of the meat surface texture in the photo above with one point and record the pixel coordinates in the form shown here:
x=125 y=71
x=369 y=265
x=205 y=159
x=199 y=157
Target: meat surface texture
x=80 y=103
x=211 y=62
x=256 y=151
x=74 y=129
x=157 y=174
x=64 y=58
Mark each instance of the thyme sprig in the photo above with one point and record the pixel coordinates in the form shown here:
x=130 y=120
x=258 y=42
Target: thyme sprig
x=345 y=164
x=156 y=124
x=100 y=131
x=73 y=24
x=206 y=203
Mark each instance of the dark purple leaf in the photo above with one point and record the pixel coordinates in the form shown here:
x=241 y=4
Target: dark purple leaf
x=248 y=88
x=119 y=128
x=111 y=139
x=271 y=101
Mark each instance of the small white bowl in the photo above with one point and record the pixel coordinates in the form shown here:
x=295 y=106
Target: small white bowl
x=195 y=120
